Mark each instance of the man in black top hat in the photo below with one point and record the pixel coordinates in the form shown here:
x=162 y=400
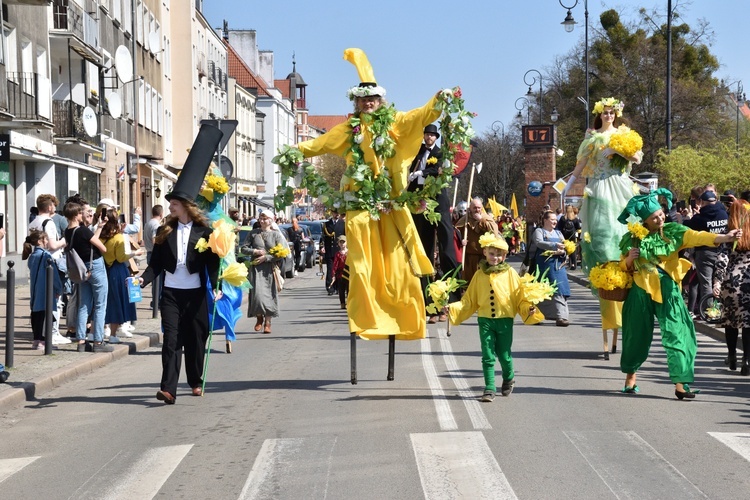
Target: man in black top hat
x=428 y=162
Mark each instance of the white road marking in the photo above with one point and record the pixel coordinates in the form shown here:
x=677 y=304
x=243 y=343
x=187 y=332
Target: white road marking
x=442 y=407
x=737 y=441
x=473 y=406
x=309 y=460
x=630 y=467
x=459 y=465
x=148 y=473
x=9 y=466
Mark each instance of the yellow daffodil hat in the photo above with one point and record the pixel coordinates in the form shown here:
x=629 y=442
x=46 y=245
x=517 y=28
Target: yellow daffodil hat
x=368 y=86
x=489 y=239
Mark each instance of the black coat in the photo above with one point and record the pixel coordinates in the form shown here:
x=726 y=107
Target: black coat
x=429 y=170
x=164 y=257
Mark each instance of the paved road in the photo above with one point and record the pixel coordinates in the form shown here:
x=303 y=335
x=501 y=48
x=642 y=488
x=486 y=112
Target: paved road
x=281 y=420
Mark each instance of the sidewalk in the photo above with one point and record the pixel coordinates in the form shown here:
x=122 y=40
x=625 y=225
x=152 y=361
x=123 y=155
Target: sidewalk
x=34 y=373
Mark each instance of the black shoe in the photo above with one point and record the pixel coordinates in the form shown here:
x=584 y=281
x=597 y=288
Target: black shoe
x=562 y=322
x=745 y=370
x=614 y=349
x=101 y=347
x=687 y=394
x=606 y=356
x=733 y=363
x=507 y=387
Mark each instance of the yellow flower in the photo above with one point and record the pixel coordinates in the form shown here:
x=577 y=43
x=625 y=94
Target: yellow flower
x=637 y=230
x=431 y=161
x=439 y=291
x=202 y=245
x=207 y=193
x=609 y=102
x=222 y=239
x=217 y=183
x=489 y=239
x=537 y=288
x=570 y=247
x=609 y=276
x=235 y=274
x=279 y=251
x=587 y=237
x=626 y=142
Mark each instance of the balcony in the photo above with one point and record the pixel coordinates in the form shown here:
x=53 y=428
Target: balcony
x=28 y=97
x=200 y=64
x=211 y=71
x=71 y=23
x=67 y=117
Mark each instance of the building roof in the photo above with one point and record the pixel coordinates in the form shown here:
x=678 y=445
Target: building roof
x=325 y=122
x=284 y=87
x=240 y=71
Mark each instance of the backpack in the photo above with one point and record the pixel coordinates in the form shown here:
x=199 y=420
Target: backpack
x=568 y=227
x=78 y=272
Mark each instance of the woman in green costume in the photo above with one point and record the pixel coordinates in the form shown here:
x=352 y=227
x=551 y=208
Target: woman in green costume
x=650 y=253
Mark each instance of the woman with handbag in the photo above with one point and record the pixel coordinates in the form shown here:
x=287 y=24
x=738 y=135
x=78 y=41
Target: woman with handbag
x=263 y=300
x=92 y=293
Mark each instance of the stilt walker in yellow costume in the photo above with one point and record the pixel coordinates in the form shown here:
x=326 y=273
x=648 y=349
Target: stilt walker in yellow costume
x=386 y=258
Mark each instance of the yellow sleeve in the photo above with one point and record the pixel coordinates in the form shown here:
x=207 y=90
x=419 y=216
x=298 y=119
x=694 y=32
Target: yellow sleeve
x=693 y=238
x=460 y=311
x=410 y=125
x=119 y=248
x=335 y=141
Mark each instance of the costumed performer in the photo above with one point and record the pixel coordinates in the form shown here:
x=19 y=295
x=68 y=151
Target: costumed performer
x=184 y=307
x=496 y=292
x=650 y=252
x=608 y=189
x=385 y=258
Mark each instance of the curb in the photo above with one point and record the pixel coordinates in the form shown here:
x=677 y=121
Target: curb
x=701 y=327
x=29 y=391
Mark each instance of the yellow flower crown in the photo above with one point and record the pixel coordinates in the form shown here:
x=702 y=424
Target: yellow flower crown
x=610 y=102
x=489 y=239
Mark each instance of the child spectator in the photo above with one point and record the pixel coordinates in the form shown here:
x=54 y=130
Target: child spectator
x=35 y=250
x=340 y=273
x=496 y=293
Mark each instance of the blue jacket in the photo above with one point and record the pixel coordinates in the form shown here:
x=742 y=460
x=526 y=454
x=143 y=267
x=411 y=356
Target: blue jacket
x=712 y=218
x=38 y=275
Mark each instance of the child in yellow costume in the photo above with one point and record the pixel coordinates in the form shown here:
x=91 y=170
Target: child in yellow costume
x=386 y=257
x=497 y=294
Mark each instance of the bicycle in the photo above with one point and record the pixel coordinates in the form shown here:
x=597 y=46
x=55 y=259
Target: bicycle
x=710 y=309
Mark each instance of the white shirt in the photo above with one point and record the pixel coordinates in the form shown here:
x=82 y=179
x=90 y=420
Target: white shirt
x=182 y=278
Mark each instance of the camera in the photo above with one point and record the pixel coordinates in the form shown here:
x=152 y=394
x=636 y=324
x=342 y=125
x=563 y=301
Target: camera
x=727 y=200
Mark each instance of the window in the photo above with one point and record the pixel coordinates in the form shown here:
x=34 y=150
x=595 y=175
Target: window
x=11 y=65
x=141 y=102
x=147 y=106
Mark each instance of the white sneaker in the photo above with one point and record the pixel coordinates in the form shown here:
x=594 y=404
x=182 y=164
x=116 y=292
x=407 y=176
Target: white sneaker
x=127 y=327
x=124 y=333
x=107 y=332
x=114 y=340
x=58 y=339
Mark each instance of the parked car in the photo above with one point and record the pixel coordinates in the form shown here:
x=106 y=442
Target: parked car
x=316 y=233
x=308 y=258
x=287 y=266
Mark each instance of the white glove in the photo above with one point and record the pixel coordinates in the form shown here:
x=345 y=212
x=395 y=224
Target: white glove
x=571 y=180
x=414 y=175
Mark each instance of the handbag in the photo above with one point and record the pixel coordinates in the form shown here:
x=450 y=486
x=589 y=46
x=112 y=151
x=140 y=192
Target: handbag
x=78 y=272
x=278 y=278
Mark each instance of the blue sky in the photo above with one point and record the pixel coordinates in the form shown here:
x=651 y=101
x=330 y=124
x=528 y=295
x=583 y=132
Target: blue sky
x=417 y=48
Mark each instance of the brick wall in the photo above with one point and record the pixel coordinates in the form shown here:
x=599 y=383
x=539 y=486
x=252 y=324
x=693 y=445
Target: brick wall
x=540 y=166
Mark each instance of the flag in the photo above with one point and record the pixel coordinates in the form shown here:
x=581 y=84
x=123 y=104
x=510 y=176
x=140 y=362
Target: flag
x=496 y=208
x=461 y=159
x=514 y=206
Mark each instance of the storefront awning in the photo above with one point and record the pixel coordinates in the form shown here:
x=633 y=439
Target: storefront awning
x=162 y=170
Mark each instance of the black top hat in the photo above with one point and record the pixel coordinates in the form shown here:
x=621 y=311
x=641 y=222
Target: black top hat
x=432 y=129
x=189 y=182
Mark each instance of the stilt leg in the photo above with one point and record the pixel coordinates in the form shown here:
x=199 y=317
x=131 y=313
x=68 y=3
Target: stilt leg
x=353 y=345
x=614 y=340
x=606 y=344
x=391 y=355
x=449 y=328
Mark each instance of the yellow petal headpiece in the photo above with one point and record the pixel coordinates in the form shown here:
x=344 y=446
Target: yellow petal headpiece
x=368 y=85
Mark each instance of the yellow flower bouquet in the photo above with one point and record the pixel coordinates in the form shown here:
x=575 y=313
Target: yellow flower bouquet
x=439 y=291
x=626 y=143
x=570 y=246
x=537 y=288
x=279 y=251
x=612 y=282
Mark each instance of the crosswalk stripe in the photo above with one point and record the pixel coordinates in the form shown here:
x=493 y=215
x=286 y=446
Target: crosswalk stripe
x=148 y=473
x=9 y=466
x=308 y=460
x=445 y=415
x=630 y=467
x=477 y=416
x=459 y=465
x=737 y=441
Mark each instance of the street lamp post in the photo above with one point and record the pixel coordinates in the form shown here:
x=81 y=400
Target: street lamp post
x=520 y=107
x=554 y=115
x=498 y=125
x=569 y=23
x=530 y=94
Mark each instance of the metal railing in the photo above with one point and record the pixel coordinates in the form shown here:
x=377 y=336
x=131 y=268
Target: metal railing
x=67 y=117
x=22 y=92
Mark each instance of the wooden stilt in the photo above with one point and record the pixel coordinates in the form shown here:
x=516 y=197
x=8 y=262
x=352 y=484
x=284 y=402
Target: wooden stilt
x=606 y=344
x=614 y=340
x=391 y=355
x=353 y=348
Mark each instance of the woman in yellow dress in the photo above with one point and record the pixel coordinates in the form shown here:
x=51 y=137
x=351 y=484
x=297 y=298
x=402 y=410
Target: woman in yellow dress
x=386 y=257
